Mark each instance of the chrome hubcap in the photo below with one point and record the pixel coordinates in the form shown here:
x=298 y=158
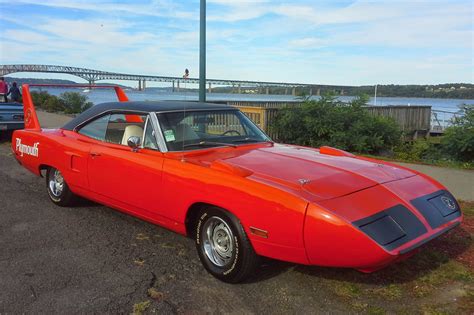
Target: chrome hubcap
x=56 y=183
x=218 y=241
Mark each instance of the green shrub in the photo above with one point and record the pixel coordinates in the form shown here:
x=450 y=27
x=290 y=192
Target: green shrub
x=53 y=104
x=418 y=150
x=40 y=98
x=68 y=102
x=74 y=102
x=331 y=122
x=458 y=140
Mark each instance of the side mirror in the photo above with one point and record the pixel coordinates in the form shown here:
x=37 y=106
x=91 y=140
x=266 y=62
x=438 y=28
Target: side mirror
x=134 y=143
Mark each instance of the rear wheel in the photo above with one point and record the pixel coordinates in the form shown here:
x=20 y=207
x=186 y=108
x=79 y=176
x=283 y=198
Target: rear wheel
x=58 y=190
x=223 y=246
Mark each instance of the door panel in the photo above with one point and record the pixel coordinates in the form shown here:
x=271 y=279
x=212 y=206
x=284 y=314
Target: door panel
x=130 y=177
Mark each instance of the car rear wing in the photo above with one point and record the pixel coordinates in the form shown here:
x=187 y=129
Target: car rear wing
x=31 y=118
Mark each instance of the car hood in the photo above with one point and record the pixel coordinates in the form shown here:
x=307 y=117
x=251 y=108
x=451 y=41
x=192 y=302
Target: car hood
x=323 y=176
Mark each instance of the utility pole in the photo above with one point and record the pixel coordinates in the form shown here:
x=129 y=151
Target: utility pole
x=375 y=96
x=202 y=52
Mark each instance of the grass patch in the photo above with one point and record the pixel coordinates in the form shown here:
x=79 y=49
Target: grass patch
x=345 y=289
x=139 y=308
x=440 y=163
x=450 y=272
x=467 y=207
x=390 y=292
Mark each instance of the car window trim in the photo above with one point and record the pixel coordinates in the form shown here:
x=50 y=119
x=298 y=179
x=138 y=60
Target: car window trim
x=160 y=139
x=149 y=123
x=109 y=112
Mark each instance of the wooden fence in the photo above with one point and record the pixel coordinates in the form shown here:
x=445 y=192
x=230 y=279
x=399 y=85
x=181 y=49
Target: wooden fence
x=413 y=120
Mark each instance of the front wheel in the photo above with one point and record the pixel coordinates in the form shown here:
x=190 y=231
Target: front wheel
x=223 y=246
x=58 y=190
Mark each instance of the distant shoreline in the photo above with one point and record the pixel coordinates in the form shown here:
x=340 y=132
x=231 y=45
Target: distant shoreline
x=439 y=91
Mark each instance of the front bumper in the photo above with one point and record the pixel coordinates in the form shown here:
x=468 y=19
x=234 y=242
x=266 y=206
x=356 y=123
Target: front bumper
x=396 y=227
x=379 y=238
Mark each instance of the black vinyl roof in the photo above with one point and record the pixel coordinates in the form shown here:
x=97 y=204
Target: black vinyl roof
x=147 y=106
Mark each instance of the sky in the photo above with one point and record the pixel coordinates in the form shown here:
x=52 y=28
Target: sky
x=306 y=41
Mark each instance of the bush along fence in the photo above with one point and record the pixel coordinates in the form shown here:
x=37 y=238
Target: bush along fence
x=360 y=128
x=413 y=121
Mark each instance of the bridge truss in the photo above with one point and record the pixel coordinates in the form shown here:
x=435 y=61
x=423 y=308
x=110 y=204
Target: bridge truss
x=92 y=76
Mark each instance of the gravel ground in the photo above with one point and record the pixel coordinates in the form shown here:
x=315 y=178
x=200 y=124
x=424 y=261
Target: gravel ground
x=92 y=258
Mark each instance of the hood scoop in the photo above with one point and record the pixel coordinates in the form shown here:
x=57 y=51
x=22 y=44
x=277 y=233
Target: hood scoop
x=222 y=166
x=335 y=152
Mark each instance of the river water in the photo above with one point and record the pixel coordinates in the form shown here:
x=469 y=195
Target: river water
x=97 y=96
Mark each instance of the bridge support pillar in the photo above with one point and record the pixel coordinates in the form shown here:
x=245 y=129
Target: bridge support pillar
x=318 y=92
x=144 y=85
x=311 y=91
x=293 y=91
x=239 y=89
x=178 y=86
x=342 y=91
x=173 y=87
x=91 y=82
x=210 y=87
x=139 y=85
x=267 y=90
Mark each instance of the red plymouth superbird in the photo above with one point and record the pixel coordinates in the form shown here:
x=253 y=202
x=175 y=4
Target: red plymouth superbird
x=206 y=171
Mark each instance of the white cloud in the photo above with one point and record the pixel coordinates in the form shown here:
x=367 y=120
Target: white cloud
x=363 y=43
x=308 y=42
x=159 y=8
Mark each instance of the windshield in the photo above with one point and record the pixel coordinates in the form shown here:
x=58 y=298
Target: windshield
x=197 y=129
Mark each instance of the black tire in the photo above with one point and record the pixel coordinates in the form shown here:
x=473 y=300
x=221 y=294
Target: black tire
x=236 y=259
x=63 y=197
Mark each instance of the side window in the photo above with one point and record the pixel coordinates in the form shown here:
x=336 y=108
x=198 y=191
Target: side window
x=150 y=139
x=123 y=126
x=115 y=128
x=96 y=129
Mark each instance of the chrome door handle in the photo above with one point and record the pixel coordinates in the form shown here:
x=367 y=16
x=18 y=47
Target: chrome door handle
x=94 y=154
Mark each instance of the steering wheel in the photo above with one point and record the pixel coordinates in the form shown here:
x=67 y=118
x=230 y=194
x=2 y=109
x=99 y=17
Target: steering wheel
x=231 y=131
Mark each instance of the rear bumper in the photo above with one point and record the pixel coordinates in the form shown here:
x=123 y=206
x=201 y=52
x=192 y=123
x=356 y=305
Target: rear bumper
x=7 y=125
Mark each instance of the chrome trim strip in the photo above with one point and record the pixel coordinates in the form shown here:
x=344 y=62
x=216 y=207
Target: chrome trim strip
x=109 y=111
x=144 y=131
x=195 y=110
x=158 y=133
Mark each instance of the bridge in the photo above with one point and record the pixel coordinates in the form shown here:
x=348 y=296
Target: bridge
x=92 y=76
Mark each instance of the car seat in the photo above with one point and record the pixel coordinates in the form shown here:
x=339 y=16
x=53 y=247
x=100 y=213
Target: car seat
x=130 y=131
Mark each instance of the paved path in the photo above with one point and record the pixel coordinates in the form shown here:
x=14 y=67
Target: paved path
x=459 y=182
